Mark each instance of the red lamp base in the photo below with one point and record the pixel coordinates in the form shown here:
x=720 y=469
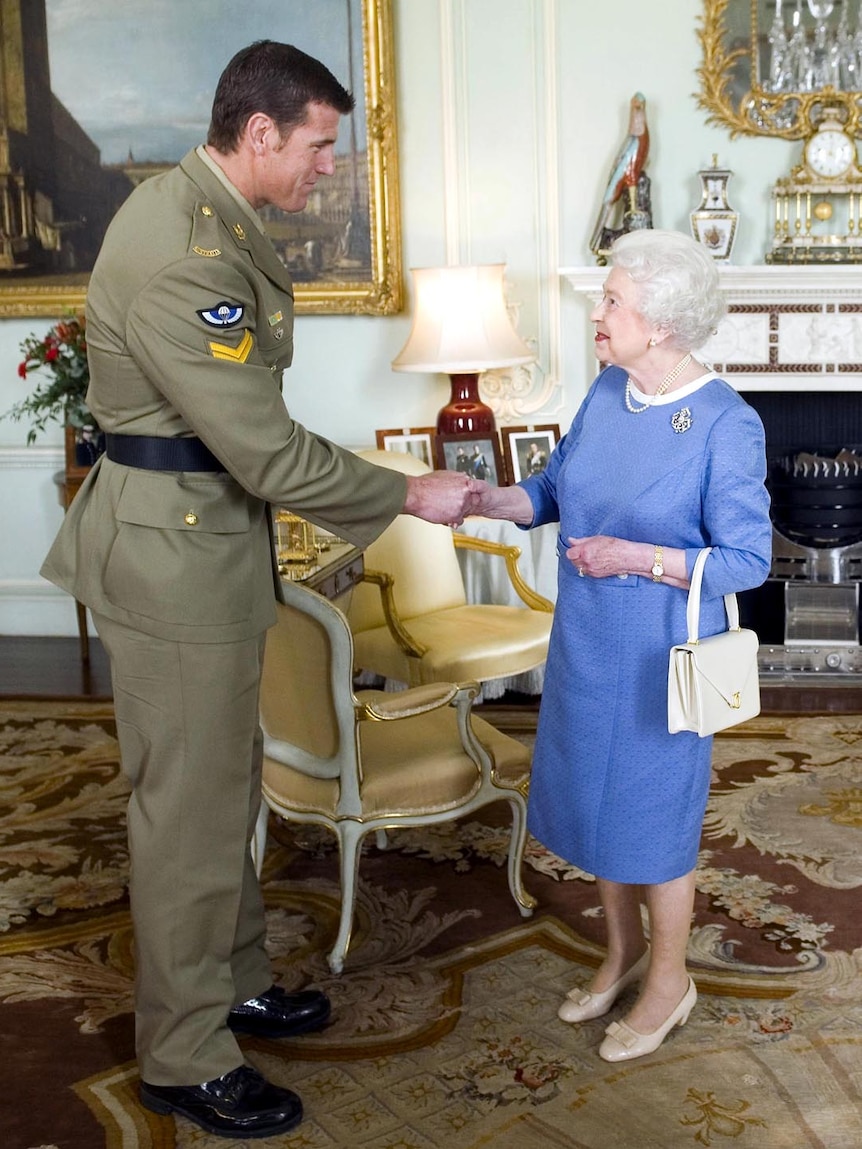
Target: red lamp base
x=465 y=413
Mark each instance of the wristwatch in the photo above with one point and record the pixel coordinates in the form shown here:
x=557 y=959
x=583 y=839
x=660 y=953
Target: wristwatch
x=657 y=566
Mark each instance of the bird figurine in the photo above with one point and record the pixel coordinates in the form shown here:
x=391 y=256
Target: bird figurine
x=626 y=170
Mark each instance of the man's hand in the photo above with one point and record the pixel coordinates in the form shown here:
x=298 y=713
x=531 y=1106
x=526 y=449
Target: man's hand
x=442 y=497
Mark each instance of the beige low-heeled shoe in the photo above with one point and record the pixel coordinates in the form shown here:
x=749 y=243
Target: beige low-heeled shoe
x=622 y=1043
x=581 y=1005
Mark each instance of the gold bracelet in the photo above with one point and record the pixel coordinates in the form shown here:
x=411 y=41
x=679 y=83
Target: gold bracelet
x=658 y=565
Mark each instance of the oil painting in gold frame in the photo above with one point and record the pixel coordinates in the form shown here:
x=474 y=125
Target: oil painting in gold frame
x=59 y=191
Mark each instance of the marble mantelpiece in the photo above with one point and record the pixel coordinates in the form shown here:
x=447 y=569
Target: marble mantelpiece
x=787 y=328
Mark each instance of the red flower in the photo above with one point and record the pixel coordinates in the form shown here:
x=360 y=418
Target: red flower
x=51 y=354
x=22 y=370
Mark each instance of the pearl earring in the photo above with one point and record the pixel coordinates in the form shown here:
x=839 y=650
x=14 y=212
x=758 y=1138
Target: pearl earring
x=651 y=342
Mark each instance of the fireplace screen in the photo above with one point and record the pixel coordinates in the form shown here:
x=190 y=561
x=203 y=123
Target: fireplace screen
x=807 y=613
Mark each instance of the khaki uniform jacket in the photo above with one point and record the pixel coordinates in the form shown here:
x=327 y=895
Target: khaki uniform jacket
x=188 y=556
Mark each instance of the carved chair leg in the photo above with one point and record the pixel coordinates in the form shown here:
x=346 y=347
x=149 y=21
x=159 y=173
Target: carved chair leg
x=526 y=902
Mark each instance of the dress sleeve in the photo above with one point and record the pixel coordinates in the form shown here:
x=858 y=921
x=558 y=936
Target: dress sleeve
x=542 y=488
x=735 y=505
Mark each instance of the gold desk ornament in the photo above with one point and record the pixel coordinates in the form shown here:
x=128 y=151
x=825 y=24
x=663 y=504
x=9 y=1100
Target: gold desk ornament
x=294 y=541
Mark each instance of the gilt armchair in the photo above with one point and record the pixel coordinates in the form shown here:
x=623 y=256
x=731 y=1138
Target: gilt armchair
x=363 y=762
x=410 y=617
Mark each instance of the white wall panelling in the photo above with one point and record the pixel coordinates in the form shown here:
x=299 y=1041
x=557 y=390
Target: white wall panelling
x=500 y=160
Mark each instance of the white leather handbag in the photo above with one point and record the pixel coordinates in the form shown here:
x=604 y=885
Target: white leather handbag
x=712 y=683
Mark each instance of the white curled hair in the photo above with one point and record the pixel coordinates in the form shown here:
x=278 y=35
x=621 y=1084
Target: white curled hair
x=677 y=280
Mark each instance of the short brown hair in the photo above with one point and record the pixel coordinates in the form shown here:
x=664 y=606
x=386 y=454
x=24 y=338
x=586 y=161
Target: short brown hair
x=276 y=79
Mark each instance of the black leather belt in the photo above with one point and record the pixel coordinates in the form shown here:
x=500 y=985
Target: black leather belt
x=156 y=453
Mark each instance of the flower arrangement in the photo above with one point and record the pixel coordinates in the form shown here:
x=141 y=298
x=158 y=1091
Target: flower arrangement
x=62 y=352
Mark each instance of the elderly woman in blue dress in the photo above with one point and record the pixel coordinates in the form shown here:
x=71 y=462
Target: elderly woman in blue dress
x=663 y=458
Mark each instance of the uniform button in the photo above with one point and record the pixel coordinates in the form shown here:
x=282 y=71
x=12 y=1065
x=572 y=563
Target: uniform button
x=206 y=210
x=623 y=575
x=191 y=519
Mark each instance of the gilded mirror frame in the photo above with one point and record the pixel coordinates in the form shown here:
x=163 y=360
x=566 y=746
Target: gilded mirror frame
x=752 y=110
x=374 y=288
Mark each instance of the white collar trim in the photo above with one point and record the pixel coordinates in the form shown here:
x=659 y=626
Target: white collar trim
x=675 y=395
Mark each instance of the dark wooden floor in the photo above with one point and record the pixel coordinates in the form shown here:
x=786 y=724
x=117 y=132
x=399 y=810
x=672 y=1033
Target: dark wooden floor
x=52 y=668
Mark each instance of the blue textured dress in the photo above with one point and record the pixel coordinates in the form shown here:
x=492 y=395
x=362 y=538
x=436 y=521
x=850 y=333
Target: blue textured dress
x=612 y=791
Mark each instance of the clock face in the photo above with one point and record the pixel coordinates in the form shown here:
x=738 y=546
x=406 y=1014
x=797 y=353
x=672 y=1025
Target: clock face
x=830 y=152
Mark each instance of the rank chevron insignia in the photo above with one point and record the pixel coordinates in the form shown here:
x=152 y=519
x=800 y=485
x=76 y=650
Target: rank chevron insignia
x=237 y=354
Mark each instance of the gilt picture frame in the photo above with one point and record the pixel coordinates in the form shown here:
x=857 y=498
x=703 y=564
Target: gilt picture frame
x=80 y=149
x=475 y=455
x=526 y=450
x=416 y=441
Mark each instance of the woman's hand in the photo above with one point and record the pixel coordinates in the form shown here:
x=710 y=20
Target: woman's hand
x=602 y=556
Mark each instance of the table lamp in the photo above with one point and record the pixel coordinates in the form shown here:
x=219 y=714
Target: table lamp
x=461 y=326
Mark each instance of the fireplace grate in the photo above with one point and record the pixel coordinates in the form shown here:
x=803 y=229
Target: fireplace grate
x=807 y=612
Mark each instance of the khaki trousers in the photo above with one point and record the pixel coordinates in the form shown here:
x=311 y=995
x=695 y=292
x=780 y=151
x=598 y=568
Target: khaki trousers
x=191 y=746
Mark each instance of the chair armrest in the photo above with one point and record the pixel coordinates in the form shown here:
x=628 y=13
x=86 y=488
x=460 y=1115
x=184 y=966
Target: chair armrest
x=511 y=554
x=402 y=636
x=418 y=700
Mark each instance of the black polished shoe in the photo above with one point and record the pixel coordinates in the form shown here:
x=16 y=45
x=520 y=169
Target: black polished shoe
x=279 y=1014
x=241 y=1104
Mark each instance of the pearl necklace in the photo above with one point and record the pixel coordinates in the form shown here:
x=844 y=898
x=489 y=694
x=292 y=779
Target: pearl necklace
x=662 y=387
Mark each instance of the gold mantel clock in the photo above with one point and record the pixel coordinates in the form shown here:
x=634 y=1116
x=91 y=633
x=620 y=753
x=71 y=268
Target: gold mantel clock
x=818 y=207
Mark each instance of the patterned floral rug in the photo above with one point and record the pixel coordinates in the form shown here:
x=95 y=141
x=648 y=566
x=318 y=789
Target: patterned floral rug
x=445 y=1031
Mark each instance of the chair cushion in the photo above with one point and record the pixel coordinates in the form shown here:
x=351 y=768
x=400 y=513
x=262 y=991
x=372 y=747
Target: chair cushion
x=411 y=767
x=480 y=641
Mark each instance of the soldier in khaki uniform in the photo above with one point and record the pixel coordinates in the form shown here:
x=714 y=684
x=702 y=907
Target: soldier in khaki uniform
x=190 y=323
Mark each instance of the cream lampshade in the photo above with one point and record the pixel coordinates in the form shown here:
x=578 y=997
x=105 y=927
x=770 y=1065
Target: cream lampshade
x=461 y=327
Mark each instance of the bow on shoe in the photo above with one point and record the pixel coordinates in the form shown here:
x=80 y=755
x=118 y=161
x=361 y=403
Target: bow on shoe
x=623 y=1034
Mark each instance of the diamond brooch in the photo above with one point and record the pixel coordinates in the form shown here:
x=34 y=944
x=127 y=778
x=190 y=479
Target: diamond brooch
x=681 y=420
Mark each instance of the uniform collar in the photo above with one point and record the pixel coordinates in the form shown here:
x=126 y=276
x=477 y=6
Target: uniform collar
x=241 y=202
x=227 y=203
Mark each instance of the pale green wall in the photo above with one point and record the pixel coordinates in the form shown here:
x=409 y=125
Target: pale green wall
x=542 y=90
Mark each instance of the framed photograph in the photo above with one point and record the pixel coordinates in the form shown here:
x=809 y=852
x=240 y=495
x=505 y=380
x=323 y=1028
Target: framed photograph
x=418 y=441
x=79 y=149
x=526 y=450
x=476 y=455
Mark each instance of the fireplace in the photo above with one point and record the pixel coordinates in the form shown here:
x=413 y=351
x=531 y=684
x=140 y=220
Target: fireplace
x=791 y=344
x=807 y=613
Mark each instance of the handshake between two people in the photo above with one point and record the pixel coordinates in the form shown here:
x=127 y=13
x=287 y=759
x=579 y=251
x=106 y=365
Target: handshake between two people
x=450 y=496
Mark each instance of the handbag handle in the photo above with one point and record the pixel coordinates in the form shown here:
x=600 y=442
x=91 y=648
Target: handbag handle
x=692 y=610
